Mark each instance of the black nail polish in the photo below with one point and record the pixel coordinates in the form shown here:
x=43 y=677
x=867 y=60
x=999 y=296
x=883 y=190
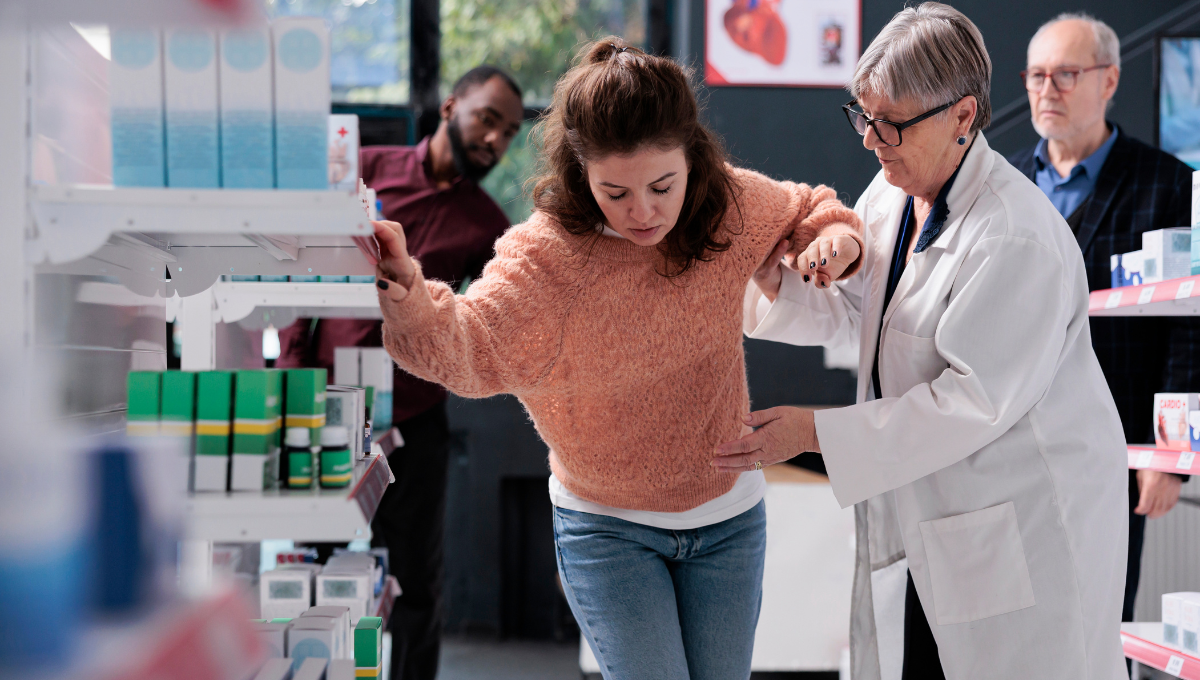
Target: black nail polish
x=822 y=262
x=806 y=278
x=382 y=284
x=812 y=265
x=835 y=253
x=824 y=285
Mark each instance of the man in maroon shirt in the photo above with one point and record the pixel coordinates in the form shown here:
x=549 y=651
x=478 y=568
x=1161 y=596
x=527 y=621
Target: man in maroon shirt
x=451 y=225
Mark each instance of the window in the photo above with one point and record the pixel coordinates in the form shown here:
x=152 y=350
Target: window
x=535 y=41
x=369 y=46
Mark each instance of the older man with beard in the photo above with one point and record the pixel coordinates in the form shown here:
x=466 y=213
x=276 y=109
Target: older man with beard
x=1111 y=188
x=451 y=223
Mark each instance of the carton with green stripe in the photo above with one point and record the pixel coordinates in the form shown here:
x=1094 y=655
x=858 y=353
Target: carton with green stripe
x=178 y=403
x=214 y=429
x=143 y=395
x=305 y=401
x=256 y=420
x=368 y=647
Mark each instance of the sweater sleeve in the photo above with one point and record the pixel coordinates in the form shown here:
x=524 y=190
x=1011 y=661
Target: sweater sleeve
x=502 y=336
x=820 y=213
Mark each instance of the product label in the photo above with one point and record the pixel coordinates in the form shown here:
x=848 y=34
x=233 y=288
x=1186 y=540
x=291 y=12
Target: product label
x=337 y=468
x=317 y=420
x=177 y=428
x=1175 y=665
x=300 y=465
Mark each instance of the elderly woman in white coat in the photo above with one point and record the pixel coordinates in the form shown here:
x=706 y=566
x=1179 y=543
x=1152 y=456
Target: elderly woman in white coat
x=984 y=457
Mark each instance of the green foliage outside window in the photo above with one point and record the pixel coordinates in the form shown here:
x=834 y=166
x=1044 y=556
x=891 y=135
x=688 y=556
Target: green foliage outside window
x=535 y=41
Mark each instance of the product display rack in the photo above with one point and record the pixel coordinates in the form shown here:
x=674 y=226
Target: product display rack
x=1143 y=641
x=257 y=304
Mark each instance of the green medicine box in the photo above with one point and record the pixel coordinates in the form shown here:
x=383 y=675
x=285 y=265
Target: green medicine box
x=257 y=416
x=143 y=396
x=368 y=645
x=178 y=403
x=305 y=401
x=214 y=429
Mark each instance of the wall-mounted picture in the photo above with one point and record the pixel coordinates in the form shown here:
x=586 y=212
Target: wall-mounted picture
x=1179 y=98
x=787 y=43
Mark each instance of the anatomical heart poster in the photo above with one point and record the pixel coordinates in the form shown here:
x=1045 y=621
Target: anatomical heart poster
x=796 y=43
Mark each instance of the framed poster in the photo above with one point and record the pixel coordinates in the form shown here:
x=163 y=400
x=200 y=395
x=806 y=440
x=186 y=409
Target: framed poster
x=1177 y=66
x=786 y=43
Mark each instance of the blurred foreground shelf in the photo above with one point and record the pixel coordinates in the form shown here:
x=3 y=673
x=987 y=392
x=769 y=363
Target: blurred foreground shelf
x=1174 y=297
x=1143 y=642
x=1161 y=460
x=299 y=514
x=259 y=304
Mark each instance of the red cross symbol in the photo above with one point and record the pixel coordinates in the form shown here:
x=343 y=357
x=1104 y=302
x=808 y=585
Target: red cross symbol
x=342 y=132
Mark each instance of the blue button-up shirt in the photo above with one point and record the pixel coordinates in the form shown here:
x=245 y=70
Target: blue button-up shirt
x=1068 y=193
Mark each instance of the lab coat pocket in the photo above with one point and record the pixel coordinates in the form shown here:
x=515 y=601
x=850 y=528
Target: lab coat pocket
x=977 y=565
x=907 y=361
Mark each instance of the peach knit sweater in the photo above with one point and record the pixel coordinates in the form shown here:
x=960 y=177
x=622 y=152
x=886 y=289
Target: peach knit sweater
x=631 y=378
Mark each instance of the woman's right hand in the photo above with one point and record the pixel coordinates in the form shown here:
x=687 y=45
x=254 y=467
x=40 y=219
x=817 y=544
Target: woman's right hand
x=769 y=274
x=394 y=263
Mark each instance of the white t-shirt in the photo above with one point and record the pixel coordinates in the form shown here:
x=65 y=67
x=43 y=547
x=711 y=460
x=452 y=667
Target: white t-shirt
x=745 y=494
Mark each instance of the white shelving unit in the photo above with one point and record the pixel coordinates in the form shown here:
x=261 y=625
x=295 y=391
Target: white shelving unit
x=1161 y=460
x=1143 y=642
x=256 y=304
x=1175 y=297
x=300 y=514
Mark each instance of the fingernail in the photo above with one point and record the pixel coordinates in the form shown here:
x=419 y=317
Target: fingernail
x=822 y=262
x=812 y=265
x=824 y=285
x=835 y=253
x=382 y=284
x=806 y=278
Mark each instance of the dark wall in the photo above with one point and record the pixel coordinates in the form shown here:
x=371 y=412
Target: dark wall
x=499 y=544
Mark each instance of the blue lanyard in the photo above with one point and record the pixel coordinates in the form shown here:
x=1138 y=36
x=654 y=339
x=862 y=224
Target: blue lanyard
x=899 y=263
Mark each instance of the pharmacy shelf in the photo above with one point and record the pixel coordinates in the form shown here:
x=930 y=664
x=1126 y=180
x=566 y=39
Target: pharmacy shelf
x=1175 y=297
x=169 y=241
x=212 y=639
x=1143 y=642
x=1150 y=458
x=260 y=304
x=299 y=514
x=391 y=590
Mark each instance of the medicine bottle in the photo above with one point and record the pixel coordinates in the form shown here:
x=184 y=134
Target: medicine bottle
x=297 y=472
x=337 y=463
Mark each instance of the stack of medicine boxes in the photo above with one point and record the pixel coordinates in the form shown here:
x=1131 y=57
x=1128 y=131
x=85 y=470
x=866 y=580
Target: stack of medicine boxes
x=322 y=633
x=245 y=108
x=237 y=419
x=1181 y=620
x=372 y=368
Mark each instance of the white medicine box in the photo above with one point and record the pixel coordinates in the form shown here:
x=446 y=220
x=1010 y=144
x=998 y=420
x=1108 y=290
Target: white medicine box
x=285 y=593
x=1166 y=254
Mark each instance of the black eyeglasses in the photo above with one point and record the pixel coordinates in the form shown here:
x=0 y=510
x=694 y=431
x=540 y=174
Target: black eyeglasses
x=887 y=131
x=1064 y=79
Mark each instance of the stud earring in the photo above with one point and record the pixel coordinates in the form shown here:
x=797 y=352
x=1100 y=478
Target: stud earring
x=962 y=141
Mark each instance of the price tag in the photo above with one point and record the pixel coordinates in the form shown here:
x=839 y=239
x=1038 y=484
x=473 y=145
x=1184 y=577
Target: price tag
x=1146 y=295
x=1145 y=458
x=1114 y=300
x=1185 y=460
x=1175 y=665
x=1185 y=289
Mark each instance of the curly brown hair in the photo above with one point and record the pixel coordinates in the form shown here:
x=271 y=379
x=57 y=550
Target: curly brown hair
x=617 y=99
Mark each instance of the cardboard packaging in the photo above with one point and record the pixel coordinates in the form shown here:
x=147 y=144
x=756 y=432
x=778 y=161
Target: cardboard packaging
x=274 y=638
x=1171 y=410
x=190 y=93
x=1196 y=198
x=346 y=407
x=302 y=102
x=311 y=668
x=1126 y=269
x=214 y=428
x=1166 y=254
x=340 y=669
x=377 y=369
x=1195 y=250
x=286 y=592
x=343 y=152
x=178 y=404
x=1172 y=615
x=247 y=110
x=257 y=418
x=341 y=616
x=352 y=589
x=305 y=401
x=304 y=279
x=368 y=647
x=143 y=398
x=135 y=92
x=1189 y=622
x=346 y=366
x=275 y=669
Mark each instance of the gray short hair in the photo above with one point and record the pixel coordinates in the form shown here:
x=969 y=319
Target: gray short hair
x=931 y=54
x=1108 y=45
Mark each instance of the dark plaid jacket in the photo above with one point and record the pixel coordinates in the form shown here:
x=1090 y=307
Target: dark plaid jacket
x=1139 y=189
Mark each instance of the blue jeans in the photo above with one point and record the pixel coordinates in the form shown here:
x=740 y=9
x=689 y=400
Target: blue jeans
x=657 y=604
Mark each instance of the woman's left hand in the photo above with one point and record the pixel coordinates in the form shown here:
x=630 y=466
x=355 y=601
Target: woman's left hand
x=783 y=432
x=827 y=258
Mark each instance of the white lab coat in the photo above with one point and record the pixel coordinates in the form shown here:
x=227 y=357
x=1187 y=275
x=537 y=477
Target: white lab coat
x=994 y=466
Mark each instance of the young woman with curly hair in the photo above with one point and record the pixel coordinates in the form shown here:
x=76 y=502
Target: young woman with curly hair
x=614 y=314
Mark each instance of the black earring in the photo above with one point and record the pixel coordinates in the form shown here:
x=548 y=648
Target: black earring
x=962 y=141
